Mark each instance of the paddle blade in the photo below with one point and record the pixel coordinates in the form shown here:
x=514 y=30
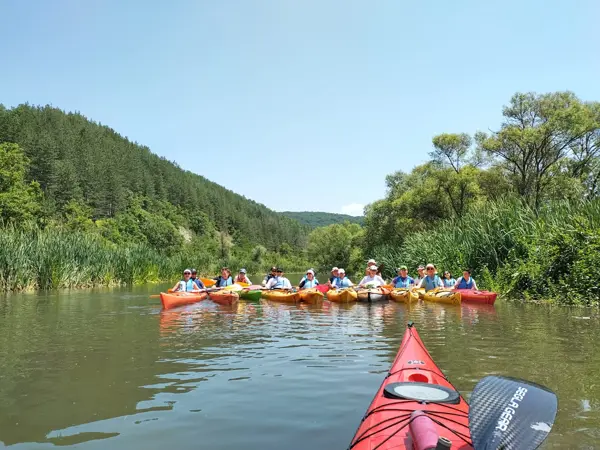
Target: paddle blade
x=508 y=413
x=323 y=288
x=208 y=282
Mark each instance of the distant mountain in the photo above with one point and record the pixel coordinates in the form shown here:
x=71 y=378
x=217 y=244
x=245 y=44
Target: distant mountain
x=316 y=219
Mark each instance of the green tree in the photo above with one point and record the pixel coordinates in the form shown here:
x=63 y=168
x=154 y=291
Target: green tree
x=19 y=200
x=537 y=133
x=334 y=244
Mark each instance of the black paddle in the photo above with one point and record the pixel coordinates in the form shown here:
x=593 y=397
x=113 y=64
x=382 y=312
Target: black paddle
x=508 y=413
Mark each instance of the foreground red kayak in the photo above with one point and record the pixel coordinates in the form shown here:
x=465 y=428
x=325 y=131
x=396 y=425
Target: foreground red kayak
x=482 y=297
x=416 y=407
x=181 y=298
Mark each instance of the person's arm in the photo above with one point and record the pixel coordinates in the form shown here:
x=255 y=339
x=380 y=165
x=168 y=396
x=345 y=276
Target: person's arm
x=195 y=287
x=176 y=287
x=474 y=286
x=270 y=284
x=420 y=285
x=457 y=283
x=440 y=283
x=362 y=282
x=248 y=280
x=287 y=284
x=302 y=283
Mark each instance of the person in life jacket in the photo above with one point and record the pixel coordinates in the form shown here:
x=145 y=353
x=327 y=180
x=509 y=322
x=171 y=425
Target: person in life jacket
x=431 y=280
x=279 y=281
x=403 y=280
x=335 y=274
x=187 y=284
x=447 y=279
x=242 y=278
x=270 y=275
x=420 y=276
x=309 y=281
x=466 y=282
x=224 y=279
x=197 y=280
x=342 y=281
x=372 y=278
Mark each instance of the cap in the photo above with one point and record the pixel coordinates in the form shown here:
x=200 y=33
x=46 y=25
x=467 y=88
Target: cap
x=187 y=271
x=310 y=271
x=242 y=270
x=371 y=261
x=430 y=266
x=334 y=269
x=341 y=271
x=279 y=269
x=401 y=268
x=273 y=269
x=194 y=271
x=372 y=267
x=421 y=267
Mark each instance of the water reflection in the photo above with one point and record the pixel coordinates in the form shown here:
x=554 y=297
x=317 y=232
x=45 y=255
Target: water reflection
x=111 y=369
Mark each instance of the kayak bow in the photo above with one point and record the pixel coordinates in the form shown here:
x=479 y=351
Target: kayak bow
x=415 y=407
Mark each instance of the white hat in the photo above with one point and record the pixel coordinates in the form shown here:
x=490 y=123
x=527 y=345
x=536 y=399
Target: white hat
x=334 y=269
x=341 y=271
x=310 y=271
x=371 y=261
x=372 y=267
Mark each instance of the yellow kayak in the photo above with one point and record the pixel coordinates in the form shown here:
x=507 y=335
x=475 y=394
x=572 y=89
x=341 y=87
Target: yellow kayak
x=420 y=292
x=342 y=295
x=404 y=295
x=311 y=295
x=281 y=295
x=443 y=296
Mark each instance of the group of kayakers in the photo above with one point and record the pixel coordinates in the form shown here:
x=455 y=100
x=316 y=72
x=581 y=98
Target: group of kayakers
x=427 y=279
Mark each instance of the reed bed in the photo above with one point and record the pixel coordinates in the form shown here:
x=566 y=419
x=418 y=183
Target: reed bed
x=513 y=250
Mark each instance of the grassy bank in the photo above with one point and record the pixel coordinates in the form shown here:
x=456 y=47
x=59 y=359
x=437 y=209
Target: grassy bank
x=57 y=259
x=554 y=255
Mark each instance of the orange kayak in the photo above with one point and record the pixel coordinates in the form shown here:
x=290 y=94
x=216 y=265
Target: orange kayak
x=311 y=295
x=482 y=297
x=415 y=406
x=181 y=298
x=224 y=297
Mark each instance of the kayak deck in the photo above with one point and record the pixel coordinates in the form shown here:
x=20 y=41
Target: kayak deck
x=414 y=383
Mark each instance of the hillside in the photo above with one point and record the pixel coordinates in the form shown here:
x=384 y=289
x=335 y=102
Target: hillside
x=88 y=172
x=316 y=219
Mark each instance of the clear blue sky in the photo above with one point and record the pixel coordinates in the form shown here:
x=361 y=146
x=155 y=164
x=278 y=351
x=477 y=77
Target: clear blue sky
x=298 y=104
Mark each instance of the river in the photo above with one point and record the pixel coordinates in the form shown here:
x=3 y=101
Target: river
x=108 y=369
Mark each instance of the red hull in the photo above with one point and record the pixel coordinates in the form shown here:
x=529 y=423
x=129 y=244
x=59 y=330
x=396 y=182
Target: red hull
x=181 y=298
x=224 y=297
x=387 y=423
x=482 y=297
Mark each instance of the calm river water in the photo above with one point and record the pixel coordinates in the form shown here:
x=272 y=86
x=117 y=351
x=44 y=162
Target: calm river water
x=108 y=369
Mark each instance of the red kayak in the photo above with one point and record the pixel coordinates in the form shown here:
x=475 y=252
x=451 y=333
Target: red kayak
x=224 y=297
x=416 y=407
x=471 y=296
x=181 y=298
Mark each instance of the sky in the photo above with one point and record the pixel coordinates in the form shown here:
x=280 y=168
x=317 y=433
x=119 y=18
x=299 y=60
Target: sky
x=297 y=104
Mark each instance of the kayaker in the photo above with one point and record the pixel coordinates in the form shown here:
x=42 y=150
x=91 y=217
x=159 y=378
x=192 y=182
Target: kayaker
x=420 y=276
x=270 y=275
x=197 y=280
x=224 y=279
x=186 y=285
x=309 y=281
x=372 y=278
x=279 y=281
x=335 y=274
x=242 y=278
x=466 y=282
x=403 y=280
x=431 y=280
x=342 y=281
x=448 y=281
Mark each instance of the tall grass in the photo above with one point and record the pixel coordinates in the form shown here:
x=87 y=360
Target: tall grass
x=513 y=249
x=57 y=259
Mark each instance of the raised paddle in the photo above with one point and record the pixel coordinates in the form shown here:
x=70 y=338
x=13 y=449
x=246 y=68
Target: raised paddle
x=508 y=413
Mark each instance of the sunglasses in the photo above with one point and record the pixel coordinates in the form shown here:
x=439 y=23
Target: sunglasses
x=279 y=271
x=186 y=273
x=430 y=268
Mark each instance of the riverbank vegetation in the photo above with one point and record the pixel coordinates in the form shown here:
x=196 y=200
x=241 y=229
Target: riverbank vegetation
x=80 y=206
x=519 y=205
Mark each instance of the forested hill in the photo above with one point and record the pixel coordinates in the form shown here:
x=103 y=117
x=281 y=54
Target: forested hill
x=316 y=219
x=88 y=169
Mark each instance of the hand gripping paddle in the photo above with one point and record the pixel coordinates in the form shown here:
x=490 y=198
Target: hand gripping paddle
x=510 y=414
